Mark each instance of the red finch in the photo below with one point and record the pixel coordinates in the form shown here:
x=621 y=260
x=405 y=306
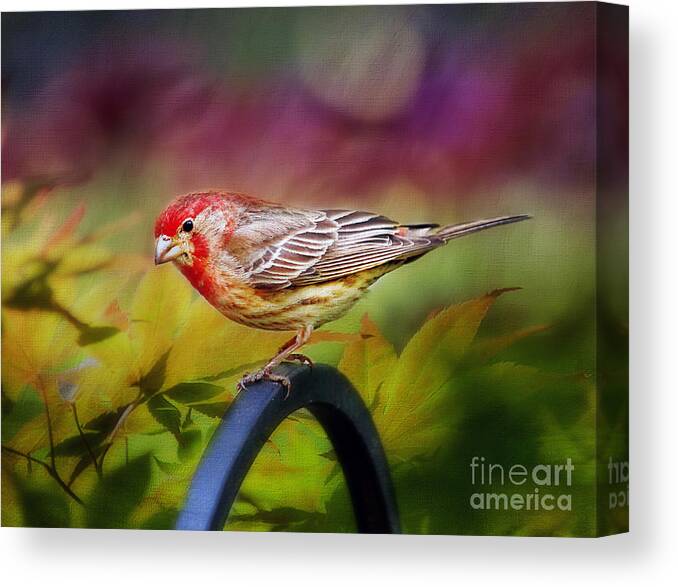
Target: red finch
x=272 y=267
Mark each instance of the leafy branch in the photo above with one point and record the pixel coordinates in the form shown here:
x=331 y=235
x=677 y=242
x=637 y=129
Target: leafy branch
x=97 y=466
x=50 y=469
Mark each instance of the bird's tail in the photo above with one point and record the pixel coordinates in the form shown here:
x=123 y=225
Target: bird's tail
x=457 y=230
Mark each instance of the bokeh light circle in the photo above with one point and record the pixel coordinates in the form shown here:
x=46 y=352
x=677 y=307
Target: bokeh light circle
x=360 y=63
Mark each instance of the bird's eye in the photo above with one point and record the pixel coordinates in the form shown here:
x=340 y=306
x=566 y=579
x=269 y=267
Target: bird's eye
x=187 y=226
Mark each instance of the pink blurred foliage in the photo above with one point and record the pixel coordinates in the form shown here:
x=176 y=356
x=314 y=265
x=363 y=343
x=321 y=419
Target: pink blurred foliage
x=484 y=112
x=116 y=99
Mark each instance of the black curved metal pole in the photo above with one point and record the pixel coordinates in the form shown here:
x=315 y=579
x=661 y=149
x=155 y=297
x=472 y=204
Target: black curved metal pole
x=252 y=418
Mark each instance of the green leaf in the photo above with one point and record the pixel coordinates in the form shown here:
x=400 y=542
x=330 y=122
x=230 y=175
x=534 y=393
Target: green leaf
x=188 y=419
x=93 y=334
x=165 y=467
x=117 y=494
x=162 y=520
x=105 y=422
x=160 y=304
x=330 y=455
x=166 y=413
x=278 y=517
x=190 y=443
x=43 y=507
x=483 y=351
x=84 y=462
x=213 y=410
x=75 y=445
x=16 y=414
x=153 y=380
x=443 y=339
x=368 y=360
x=187 y=393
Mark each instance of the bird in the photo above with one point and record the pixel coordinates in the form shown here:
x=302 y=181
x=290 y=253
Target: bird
x=274 y=267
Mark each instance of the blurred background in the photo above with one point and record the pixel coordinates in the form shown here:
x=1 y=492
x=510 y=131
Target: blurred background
x=423 y=113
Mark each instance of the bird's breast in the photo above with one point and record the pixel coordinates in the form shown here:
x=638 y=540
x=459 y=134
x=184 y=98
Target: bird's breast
x=200 y=278
x=285 y=309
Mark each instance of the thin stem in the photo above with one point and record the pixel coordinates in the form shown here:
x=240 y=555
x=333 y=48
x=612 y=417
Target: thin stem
x=84 y=439
x=126 y=412
x=50 y=435
x=52 y=472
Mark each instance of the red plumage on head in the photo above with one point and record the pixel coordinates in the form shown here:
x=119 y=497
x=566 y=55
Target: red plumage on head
x=171 y=219
x=188 y=206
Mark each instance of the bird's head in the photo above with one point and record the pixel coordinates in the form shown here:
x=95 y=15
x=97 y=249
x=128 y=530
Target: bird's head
x=192 y=226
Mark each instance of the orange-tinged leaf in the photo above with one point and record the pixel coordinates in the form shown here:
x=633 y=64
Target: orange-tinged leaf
x=441 y=341
x=326 y=336
x=125 y=223
x=115 y=316
x=404 y=392
x=483 y=351
x=68 y=227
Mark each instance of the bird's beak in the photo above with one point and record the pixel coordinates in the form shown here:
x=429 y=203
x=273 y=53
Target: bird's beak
x=166 y=249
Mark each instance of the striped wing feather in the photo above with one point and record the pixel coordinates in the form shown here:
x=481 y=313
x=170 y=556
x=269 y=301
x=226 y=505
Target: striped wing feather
x=365 y=241
x=280 y=248
x=276 y=245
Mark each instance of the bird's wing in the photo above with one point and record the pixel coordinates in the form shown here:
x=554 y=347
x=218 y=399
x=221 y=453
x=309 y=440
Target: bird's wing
x=280 y=247
x=274 y=245
x=364 y=241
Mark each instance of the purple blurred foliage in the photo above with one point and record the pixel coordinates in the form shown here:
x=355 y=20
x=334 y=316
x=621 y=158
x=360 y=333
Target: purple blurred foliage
x=514 y=106
x=117 y=99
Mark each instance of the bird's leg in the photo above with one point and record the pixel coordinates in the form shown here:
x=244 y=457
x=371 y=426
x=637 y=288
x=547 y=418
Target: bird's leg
x=294 y=343
x=285 y=352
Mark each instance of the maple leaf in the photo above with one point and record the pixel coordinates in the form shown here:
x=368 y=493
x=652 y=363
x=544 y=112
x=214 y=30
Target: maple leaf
x=404 y=391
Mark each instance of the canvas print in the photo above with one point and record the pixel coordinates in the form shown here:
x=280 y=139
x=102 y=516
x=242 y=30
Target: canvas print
x=319 y=269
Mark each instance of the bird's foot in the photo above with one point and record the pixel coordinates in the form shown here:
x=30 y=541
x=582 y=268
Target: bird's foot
x=250 y=378
x=303 y=359
x=284 y=381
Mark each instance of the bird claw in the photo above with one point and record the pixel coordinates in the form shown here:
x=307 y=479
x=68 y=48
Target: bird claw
x=303 y=359
x=284 y=381
x=249 y=378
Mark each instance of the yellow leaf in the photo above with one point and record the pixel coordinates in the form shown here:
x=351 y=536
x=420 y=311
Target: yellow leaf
x=367 y=360
x=209 y=345
x=34 y=344
x=159 y=308
x=11 y=510
x=485 y=350
x=83 y=259
x=442 y=340
x=68 y=227
x=327 y=336
x=404 y=392
x=35 y=434
x=290 y=471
